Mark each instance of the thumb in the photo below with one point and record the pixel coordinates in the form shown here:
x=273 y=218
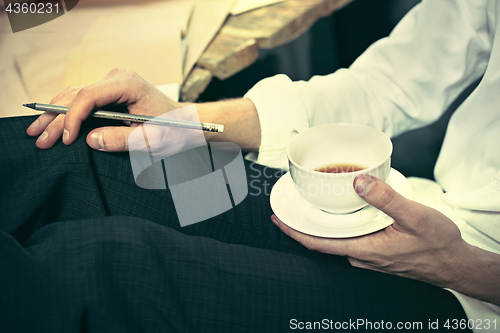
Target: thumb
x=380 y=195
x=110 y=139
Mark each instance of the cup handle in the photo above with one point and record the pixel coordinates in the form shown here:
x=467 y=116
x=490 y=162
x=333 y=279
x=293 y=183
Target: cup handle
x=297 y=130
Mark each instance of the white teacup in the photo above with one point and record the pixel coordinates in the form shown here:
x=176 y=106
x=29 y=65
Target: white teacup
x=341 y=145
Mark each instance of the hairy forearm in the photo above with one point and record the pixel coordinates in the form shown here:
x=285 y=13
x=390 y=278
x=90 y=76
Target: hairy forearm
x=478 y=275
x=240 y=120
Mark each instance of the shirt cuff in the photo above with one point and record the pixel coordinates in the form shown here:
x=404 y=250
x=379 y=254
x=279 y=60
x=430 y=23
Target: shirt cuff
x=280 y=109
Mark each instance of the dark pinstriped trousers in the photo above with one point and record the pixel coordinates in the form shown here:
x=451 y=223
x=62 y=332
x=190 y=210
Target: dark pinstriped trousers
x=83 y=249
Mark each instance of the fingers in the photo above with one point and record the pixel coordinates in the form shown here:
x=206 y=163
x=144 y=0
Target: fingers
x=342 y=247
x=67 y=96
x=40 y=125
x=119 y=87
x=115 y=88
x=325 y=245
x=110 y=139
x=380 y=195
x=361 y=264
x=52 y=132
x=115 y=71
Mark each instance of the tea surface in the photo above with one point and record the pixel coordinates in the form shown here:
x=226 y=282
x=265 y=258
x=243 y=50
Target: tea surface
x=341 y=168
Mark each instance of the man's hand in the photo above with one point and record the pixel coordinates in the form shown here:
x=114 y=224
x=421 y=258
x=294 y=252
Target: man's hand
x=421 y=244
x=120 y=87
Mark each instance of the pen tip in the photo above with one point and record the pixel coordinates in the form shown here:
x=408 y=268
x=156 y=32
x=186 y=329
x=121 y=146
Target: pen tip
x=31 y=105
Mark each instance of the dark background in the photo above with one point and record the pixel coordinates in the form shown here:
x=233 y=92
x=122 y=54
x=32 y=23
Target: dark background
x=335 y=42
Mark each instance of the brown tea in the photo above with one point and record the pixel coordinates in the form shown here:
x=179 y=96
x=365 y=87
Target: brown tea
x=340 y=168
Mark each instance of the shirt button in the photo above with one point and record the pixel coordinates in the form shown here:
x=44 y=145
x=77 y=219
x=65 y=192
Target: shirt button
x=495 y=183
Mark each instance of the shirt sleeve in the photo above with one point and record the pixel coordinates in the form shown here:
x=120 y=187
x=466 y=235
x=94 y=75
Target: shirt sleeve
x=401 y=82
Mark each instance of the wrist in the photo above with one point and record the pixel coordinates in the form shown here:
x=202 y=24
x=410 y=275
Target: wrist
x=240 y=120
x=477 y=274
x=204 y=115
x=207 y=116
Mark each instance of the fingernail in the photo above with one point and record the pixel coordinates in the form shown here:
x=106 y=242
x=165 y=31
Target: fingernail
x=34 y=125
x=96 y=141
x=363 y=184
x=43 y=137
x=275 y=221
x=65 y=135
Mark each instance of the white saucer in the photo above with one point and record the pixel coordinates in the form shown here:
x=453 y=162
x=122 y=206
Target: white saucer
x=299 y=214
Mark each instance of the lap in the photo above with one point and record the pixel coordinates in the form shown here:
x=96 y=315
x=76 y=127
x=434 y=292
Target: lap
x=121 y=256
x=76 y=182
x=134 y=275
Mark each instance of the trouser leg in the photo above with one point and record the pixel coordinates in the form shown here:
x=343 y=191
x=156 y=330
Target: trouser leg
x=236 y=270
x=76 y=182
x=122 y=274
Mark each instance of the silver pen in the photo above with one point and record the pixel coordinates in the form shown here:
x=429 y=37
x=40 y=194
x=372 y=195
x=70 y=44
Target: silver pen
x=135 y=118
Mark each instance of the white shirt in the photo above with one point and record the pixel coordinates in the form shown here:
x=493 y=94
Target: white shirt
x=405 y=81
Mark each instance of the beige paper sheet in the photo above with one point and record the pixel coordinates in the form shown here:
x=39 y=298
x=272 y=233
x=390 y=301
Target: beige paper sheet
x=242 y=6
x=156 y=60
x=42 y=62
x=207 y=19
x=33 y=62
x=135 y=21
x=43 y=72
x=145 y=39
